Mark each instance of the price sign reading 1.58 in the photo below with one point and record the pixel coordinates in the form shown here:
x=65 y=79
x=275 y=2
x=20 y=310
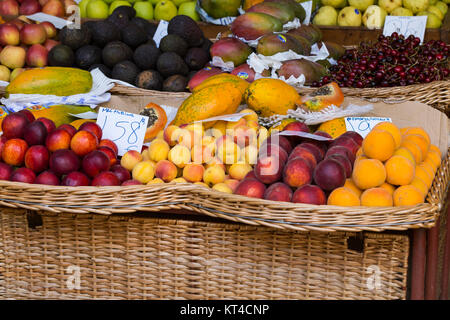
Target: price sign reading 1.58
x=126 y=129
x=363 y=125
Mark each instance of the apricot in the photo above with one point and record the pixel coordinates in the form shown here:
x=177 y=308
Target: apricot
x=187 y=138
x=193 y=172
x=179 y=180
x=252 y=116
x=368 y=173
x=421 y=185
x=352 y=186
x=201 y=184
x=158 y=150
x=232 y=183
x=145 y=155
x=404 y=152
x=408 y=195
x=180 y=155
x=414 y=149
x=214 y=175
x=262 y=136
x=343 y=196
x=222 y=187
x=433 y=158
x=388 y=187
x=220 y=128
x=436 y=149
x=379 y=144
x=166 y=170
x=130 y=159
x=376 y=197
x=202 y=153
x=229 y=152
x=143 y=172
x=424 y=175
x=238 y=171
x=359 y=152
x=399 y=171
x=250 y=154
x=155 y=180
x=420 y=141
x=170 y=135
x=429 y=168
x=215 y=161
x=392 y=129
x=419 y=131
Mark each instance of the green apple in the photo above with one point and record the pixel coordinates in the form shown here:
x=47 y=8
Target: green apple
x=179 y=2
x=97 y=9
x=144 y=10
x=109 y=1
x=118 y=3
x=154 y=2
x=188 y=9
x=82 y=5
x=165 y=10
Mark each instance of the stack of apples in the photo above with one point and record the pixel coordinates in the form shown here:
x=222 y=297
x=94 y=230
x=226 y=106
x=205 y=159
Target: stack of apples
x=218 y=157
x=36 y=151
x=24 y=44
x=10 y=9
x=301 y=170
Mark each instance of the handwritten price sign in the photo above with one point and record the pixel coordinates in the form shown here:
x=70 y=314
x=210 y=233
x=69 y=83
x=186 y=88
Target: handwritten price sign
x=363 y=125
x=127 y=130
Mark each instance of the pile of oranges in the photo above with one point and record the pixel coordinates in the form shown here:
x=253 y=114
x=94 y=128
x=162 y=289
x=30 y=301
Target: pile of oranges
x=394 y=167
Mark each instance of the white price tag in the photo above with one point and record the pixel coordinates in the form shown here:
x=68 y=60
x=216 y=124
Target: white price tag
x=363 y=125
x=308 y=9
x=57 y=22
x=406 y=26
x=228 y=117
x=126 y=129
x=304 y=135
x=160 y=32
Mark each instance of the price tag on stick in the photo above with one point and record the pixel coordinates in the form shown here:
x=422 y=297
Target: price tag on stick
x=363 y=125
x=127 y=130
x=405 y=26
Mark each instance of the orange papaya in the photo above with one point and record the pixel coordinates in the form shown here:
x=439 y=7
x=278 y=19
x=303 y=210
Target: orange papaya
x=157 y=119
x=323 y=97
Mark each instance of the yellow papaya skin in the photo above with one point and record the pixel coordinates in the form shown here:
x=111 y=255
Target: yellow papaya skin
x=58 y=81
x=209 y=102
x=223 y=78
x=268 y=97
x=59 y=114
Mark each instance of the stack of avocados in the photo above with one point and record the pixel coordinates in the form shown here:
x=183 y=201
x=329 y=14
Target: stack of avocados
x=122 y=47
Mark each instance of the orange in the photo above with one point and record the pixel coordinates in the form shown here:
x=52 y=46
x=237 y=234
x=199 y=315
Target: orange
x=368 y=173
x=420 y=141
x=379 y=144
x=399 y=171
x=414 y=149
x=376 y=197
x=419 y=184
x=392 y=129
x=408 y=195
x=402 y=151
x=352 y=186
x=423 y=174
x=419 y=131
x=343 y=196
x=389 y=187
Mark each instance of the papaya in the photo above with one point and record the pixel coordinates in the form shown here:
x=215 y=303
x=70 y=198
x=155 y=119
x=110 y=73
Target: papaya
x=157 y=119
x=268 y=97
x=209 y=102
x=323 y=97
x=223 y=78
x=56 y=81
x=334 y=127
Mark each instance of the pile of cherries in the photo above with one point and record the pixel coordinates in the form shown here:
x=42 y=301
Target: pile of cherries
x=392 y=61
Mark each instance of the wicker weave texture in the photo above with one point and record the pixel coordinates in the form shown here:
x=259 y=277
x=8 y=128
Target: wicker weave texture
x=146 y=258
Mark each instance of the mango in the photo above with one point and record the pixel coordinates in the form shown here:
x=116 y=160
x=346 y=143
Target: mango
x=311 y=70
x=253 y=25
x=231 y=49
x=336 y=50
x=281 y=11
x=271 y=44
x=309 y=32
x=295 y=7
x=221 y=8
x=202 y=75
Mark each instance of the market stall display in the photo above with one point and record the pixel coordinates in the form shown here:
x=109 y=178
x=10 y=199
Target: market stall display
x=10 y=9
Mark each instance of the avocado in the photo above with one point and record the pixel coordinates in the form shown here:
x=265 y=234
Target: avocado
x=148 y=27
x=175 y=83
x=89 y=24
x=103 y=32
x=125 y=71
x=75 y=38
x=115 y=52
x=169 y=63
x=104 y=69
x=61 y=56
x=133 y=35
x=88 y=55
x=186 y=28
x=150 y=80
x=173 y=43
x=191 y=74
x=119 y=19
x=146 y=55
x=196 y=58
x=152 y=42
x=206 y=44
x=125 y=10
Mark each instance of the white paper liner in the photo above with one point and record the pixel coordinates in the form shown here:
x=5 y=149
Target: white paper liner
x=219 y=63
x=311 y=118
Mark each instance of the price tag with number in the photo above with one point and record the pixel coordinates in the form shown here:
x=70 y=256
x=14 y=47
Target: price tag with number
x=363 y=125
x=406 y=26
x=126 y=129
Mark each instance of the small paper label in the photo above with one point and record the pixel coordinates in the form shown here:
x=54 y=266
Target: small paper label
x=126 y=129
x=85 y=115
x=57 y=22
x=160 y=32
x=406 y=26
x=228 y=117
x=363 y=125
x=304 y=135
x=308 y=9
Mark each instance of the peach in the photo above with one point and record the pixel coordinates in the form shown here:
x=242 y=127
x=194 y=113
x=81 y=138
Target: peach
x=76 y=179
x=179 y=180
x=24 y=175
x=238 y=171
x=27 y=113
x=49 y=124
x=269 y=169
x=64 y=161
x=13 y=152
x=37 y=158
x=186 y=138
x=309 y=194
x=106 y=178
x=219 y=129
x=193 y=172
x=9 y=9
x=131 y=182
x=318 y=153
x=166 y=170
x=109 y=143
x=95 y=162
x=222 y=187
x=69 y=128
x=36 y=56
x=232 y=183
x=143 y=172
x=263 y=133
x=93 y=128
x=214 y=175
x=300 y=152
x=130 y=159
x=346 y=142
x=54 y=8
x=273 y=150
x=29 y=7
x=14 y=124
x=252 y=116
x=144 y=154
x=251 y=188
x=47 y=178
x=5 y=171
x=229 y=152
x=281 y=141
x=215 y=161
x=121 y=173
x=110 y=153
x=170 y=135
x=35 y=133
x=180 y=155
x=58 y=139
x=278 y=192
x=343 y=160
x=50 y=43
x=329 y=174
x=201 y=184
x=9 y=34
x=158 y=150
x=296 y=126
x=83 y=142
x=354 y=135
x=3 y=140
x=297 y=172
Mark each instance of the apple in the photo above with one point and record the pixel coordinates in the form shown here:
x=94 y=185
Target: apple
x=188 y=9
x=9 y=34
x=50 y=29
x=97 y=9
x=116 y=4
x=32 y=34
x=144 y=10
x=36 y=56
x=9 y=9
x=54 y=8
x=50 y=43
x=13 y=57
x=29 y=7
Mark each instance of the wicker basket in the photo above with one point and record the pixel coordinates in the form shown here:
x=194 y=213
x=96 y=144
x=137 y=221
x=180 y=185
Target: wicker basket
x=135 y=257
